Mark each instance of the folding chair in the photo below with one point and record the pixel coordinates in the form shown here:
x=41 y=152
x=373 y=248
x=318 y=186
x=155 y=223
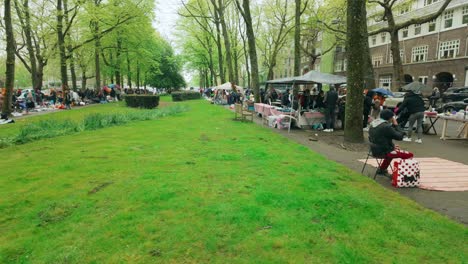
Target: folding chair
x=379 y=159
x=241 y=114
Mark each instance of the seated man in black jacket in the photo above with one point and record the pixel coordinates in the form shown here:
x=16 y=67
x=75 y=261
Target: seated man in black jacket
x=381 y=133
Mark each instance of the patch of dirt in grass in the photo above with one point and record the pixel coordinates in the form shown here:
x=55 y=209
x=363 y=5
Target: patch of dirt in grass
x=336 y=139
x=204 y=138
x=164 y=104
x=99 y=187
x=55 y=213
x=155 y=253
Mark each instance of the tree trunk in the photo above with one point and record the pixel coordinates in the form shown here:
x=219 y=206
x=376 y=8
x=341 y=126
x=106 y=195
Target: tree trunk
x=138 y=75
x=395 y=49
x=39 y=76
x=297 y=44
x=97 y=49
x=61 y=44
x=356 y=37
x=83 y=81
x=129 y=72
x=227 y=41
x=236 y=66
x=252 y=50
x=26 y=25
x=297 y=39
x=246 y=57
x=117 y=64
x=69 y=47
x=10 y=60
x=220 y=49
x=211 y=66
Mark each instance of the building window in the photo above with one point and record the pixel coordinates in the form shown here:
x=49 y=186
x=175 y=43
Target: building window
x=465 y=15
x=448 y=19
x=339 y=66
x=377 y=60
x=405 y=32
x=432 y=25
x=402 y=56
x=383 y=37
x=419 y=53
x=405 y=9
x=374 y=40
x=423 y=79
x=417 y=29
x=430 y=2
x=385 y=81
x=449 y=49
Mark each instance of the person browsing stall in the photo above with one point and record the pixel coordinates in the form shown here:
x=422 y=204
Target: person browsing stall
x=382 y=132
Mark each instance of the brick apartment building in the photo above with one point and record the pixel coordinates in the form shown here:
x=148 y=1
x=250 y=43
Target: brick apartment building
x=435 y=53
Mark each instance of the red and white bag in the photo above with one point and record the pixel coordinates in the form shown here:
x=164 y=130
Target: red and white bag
x=406 y=173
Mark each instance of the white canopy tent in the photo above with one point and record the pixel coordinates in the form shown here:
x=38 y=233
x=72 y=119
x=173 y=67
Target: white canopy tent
x=228 y=86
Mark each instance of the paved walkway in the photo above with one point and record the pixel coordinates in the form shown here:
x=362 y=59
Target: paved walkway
x=453 y=204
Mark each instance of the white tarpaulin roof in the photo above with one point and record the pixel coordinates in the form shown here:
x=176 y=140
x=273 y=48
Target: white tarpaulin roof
x=312 y=77
x=228 y=86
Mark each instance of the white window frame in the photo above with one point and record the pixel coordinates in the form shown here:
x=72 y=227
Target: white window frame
x=449 y=49
x=430 y=2
x=404 y=9
x=432 y=23
x=404 y=32
x=374 y=40
x=465 y=15
x=402 y=56
x=417 y=29
x=448 y=19
x=339 y=66
x=423 y=79
x=377 y=60
x=383 y=37
x=385 y=81
x=419 y=53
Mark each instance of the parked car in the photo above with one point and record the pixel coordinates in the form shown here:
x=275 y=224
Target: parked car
x=392 y=102
x=455 y=94
x=454 y=106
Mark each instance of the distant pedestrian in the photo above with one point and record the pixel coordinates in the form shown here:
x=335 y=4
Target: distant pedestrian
x=331 y=98
x=414 y=104
x=434 y=97
x=367 y=108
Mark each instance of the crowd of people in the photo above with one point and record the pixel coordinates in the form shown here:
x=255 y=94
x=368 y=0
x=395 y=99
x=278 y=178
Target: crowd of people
x=26 y=100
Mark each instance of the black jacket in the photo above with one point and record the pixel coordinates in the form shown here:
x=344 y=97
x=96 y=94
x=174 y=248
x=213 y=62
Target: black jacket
x=367 y=104
x=331 y=98
x=413 y=102
x=381 y=134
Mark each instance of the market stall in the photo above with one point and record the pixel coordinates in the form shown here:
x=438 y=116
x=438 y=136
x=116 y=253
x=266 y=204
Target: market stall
x=311 y=117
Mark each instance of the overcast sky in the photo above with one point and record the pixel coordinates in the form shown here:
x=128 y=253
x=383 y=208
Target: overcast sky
x=166 y=16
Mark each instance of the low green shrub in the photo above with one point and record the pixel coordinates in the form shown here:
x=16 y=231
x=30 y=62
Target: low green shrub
x=46 y=129
x=185 y=95
x=142 y=101
x=52 y=128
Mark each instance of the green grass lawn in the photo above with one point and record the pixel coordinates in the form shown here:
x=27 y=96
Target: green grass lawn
x=198 y=187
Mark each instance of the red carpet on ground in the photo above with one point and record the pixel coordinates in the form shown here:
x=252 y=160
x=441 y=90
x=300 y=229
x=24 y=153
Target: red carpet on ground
x=439 y=174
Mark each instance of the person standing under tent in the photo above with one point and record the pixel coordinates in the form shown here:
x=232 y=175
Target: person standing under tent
x=331 y=98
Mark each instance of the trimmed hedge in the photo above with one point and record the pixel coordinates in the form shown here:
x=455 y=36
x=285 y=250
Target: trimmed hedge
x=185 y=95
x=142 y=101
